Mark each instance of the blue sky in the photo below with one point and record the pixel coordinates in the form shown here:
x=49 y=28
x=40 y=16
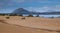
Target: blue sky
x=7 y=6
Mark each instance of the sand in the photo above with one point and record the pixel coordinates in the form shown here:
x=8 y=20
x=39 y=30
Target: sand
x=15 y=24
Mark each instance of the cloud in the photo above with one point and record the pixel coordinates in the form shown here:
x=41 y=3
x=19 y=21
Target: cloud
x=45 y=9
x=45 y=1
x=38 y=9
x=58 y=8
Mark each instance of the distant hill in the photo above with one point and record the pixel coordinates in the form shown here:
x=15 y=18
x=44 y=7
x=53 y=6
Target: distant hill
x=24 y=11
x=21 y=11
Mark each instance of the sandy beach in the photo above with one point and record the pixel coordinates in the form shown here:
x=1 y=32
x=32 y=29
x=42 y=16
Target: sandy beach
x=15 y=24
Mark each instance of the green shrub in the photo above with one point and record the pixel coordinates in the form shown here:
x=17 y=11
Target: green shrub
x=12 y=14
x=30 y=15
x=20 y=15
x=2 y=14
x=7 y=17
x=37 y=16
x=23 y=18
x=52 y=17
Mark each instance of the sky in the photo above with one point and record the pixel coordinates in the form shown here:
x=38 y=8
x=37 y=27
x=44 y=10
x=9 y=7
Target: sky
x=7 y=6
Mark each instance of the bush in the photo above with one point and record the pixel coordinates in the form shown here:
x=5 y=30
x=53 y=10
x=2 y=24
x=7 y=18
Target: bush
x=52 y=17
x=30 y=15
x=7 y=17
x=2 y=14
x=13 y=14
x=37 y=16
x=23 y=18
x=20 y=15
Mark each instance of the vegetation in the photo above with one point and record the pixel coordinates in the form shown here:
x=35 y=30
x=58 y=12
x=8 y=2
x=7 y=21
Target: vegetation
x=23 y=18
x=7 y=17
x=2 y=14
x=20 y=15
x=37 y=16
x=52 y=17
x=30 y=15
x=12 y=14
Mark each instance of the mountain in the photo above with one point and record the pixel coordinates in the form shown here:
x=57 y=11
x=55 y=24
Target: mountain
x=21 y=11
x=24 y=11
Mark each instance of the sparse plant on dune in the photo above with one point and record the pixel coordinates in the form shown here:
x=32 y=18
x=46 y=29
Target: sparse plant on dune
x=2 y=14
x=37 y=16
x=30 y=15
x=13 y=14
x=52 y=17
x=20 y=15
x=7 y=17
x=23 y=18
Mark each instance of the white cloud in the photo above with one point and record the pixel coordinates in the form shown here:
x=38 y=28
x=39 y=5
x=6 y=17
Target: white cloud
x=45 y=9
x=37 y=9
x=45 y=1
x=58 y=8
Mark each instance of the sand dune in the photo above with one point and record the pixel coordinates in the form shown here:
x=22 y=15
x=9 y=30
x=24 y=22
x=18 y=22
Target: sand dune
x=8 y=28
x=36 y=22
x=15 y=24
